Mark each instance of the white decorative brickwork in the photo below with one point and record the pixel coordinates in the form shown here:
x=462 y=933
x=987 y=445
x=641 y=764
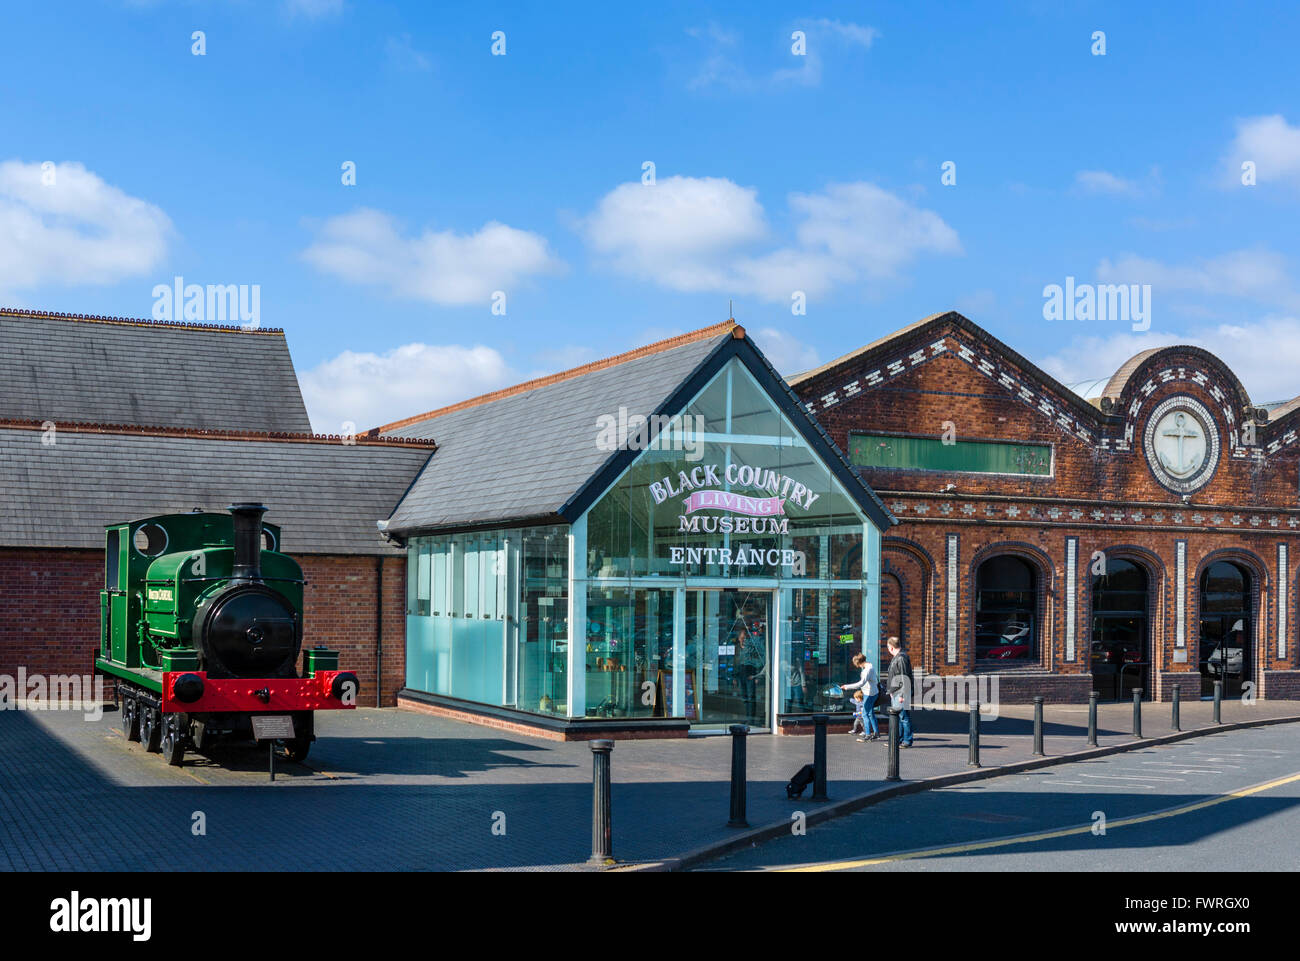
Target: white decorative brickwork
x=1180 y=594
x=1071 y=551
x=952 y=599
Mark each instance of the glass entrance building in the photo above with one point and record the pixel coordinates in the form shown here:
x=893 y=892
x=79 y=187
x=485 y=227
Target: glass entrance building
x=663 y=540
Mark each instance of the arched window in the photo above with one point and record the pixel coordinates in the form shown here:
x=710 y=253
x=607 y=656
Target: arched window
x=1006 y=611
x=1119 y=629
x=1225 y=627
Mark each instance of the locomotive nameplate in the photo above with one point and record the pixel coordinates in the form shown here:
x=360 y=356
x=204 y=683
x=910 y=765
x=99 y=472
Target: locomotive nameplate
x=272 y=727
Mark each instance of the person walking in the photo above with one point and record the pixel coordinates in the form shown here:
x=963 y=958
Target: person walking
x=870 y=688
x=899 y=686
x=751 y=663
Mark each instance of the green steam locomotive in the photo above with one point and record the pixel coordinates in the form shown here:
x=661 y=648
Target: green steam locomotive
x=201 y=628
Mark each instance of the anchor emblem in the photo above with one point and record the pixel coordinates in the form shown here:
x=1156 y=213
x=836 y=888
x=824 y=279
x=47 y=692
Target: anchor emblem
x=1182 y=433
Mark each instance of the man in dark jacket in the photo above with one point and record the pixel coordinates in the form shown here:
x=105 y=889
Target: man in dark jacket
x=899 y=685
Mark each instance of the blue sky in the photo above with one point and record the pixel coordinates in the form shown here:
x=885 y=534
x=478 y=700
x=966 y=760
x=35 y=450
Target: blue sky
x=774 y=173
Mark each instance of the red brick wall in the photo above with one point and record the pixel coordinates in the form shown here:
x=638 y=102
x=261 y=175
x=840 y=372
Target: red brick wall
x=49 y=613
x=1249 y=506
x=340 y=597
x=49 y=610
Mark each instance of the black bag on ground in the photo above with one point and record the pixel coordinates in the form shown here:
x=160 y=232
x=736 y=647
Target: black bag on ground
x=800 y=781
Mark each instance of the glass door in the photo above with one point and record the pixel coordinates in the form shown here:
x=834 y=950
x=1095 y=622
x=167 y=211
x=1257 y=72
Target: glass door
x=729 y=657
x=1225 y=654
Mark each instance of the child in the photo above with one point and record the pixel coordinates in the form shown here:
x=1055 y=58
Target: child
x=866 y=689
x=859 y=717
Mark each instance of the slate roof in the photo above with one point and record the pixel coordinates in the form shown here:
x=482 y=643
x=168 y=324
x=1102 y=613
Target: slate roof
x=325 y=495
x=527 y=452
x=103 y=370
x=522 y=453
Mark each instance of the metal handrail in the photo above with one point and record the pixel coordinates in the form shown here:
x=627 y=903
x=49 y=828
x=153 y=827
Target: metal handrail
x=1119 y=676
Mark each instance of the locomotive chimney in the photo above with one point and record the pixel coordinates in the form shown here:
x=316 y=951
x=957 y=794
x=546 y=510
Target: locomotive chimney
x=248 y=541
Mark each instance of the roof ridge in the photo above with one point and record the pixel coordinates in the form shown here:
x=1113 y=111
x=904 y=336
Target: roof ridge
x=956 y=318
x=867 y=348
x=657 y=347
x=365 y=439
x=133 y=322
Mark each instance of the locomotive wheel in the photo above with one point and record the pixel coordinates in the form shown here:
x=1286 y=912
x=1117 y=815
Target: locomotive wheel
x=130 y=718
x=297 y=748
x=150 y=728
x=175 y=731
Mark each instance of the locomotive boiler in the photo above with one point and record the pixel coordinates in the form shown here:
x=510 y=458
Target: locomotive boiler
x=201 y=627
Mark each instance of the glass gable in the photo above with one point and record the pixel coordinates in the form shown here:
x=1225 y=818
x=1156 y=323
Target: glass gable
x=725 y=577
x=735 y=493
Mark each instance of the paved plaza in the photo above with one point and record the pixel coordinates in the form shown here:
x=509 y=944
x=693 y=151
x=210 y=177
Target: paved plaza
x=393 y=790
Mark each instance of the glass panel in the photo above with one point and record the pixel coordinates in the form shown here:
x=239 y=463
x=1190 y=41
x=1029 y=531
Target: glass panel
x=438 y=592
x=1006 y=605
x=441 y=668
x=1225 y=588
x=419 y=654
x=412 y=576
x=1225 y=640
x=422 y=579
x=728 y=656
x=824 y=635
x=544 y=637
x=628 y=651
x=1225 y=653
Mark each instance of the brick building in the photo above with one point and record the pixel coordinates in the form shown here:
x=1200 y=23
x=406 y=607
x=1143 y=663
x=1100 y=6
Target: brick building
x=1146 y=537
x=104 y=420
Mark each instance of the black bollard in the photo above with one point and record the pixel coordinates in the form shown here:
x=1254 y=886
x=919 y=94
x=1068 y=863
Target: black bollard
x=1038 y=725
x=602 y=842
x=1092 y=718
x=1137 y=712
x=1218 y=702
x=974 y=760
x=1176 y=694
x=819 y=757
x=739 y=735
x=893 y=746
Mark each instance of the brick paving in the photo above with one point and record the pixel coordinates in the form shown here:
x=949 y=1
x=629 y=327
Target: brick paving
x=394 y=790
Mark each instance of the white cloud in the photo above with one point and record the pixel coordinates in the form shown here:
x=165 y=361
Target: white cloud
x=1260 y=275
x=1264 y=354
x=370 y=389
x=677 y=232
x=721 y=66
x=809 y=71
x=701 y=234
x=852 y=32
x=1272 y=144
x=869 y=228
x=1104 y=182
x=440 y=267
x=788 y=354
x=77 y=230
x=403 y=56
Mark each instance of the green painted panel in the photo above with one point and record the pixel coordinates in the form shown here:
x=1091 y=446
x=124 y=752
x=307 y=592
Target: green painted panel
x=931 y=453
